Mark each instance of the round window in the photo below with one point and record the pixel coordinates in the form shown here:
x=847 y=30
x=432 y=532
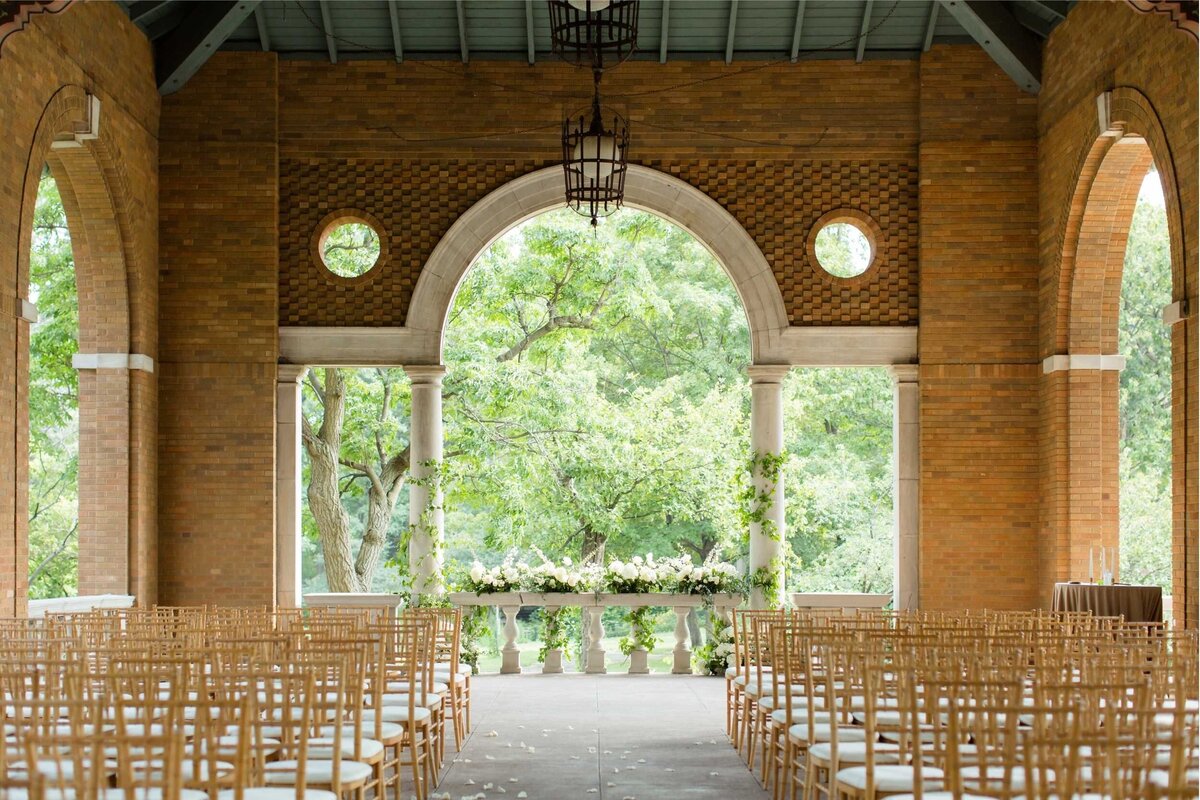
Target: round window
x=843 y=249
x=349 y=247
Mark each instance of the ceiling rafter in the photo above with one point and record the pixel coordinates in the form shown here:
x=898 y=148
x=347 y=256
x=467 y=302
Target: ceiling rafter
x=461 y=13
x=994 y=28
x=186 y=48
x=930 y=27
x=397 y=41
x=260 y=22
x=327 y=24
x=862 y=32
x=733 y=11
x=664 y=27
x=798 y=29
x=529 y=41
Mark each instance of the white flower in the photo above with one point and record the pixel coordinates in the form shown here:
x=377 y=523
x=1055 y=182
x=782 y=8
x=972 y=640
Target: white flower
x=567 y=562
x=629 y=571
x=476 y=572
x=572 y=580
x=637 y=560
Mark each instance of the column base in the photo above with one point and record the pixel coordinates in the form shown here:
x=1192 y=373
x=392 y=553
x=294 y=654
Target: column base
x=638 y=662
x=510 y=662
x=553 y=663
x=683 y=663
x=595 y=663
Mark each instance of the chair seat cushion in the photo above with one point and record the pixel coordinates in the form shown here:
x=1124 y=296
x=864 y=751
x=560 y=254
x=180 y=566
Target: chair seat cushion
x=283 y=773
x=854 y=752
x=821 y=733
x=396 y=714
x=799 y=716
x=322 y=749
x=275 y=793
x=995 y=778
x=430 y=701
x=890 y=778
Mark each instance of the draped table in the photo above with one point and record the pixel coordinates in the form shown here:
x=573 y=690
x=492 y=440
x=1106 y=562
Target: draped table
x=1134 y=603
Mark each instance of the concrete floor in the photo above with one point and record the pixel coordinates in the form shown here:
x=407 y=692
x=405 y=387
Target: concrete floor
x=597 y=737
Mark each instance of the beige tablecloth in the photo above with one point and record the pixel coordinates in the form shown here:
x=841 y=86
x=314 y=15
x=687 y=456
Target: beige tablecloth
x=1135 y=603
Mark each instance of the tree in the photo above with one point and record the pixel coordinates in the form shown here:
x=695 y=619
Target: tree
x=53 y=402
x=354 y=450
x=1145 y=399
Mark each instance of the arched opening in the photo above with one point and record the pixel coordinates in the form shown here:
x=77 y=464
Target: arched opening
x=1117 y=262
x=1145 y=393
x=596 y=409
x=53 y=402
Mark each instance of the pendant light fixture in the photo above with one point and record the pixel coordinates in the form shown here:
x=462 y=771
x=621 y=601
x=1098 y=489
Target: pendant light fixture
x=594 y=33
x=594 y=159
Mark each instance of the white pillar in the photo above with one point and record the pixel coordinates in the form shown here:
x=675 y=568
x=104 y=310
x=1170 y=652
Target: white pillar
x=906 y=485
x=287 y=485
x=766 y=438
x=425 y=549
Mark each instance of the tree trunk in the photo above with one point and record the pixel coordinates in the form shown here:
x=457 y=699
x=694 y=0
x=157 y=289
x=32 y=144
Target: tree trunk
x=593 y=545
x=333 y=524
x=380 y=506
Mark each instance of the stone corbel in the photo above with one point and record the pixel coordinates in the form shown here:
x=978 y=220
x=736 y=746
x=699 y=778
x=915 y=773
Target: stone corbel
x=1065 y=362
x=1176 y=312
x=113 y=361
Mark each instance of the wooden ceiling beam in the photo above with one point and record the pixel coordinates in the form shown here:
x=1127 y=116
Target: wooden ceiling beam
x=1013 y=48
x=663 y=28
x=397 y=41
x=461 y=13
x=730 y=31
x=930 y=27
x=260 y=22
x=183 y=51
x=862 y=32
x=798 y=29
x=327 y=25
x=529 y=41
x=146 y=12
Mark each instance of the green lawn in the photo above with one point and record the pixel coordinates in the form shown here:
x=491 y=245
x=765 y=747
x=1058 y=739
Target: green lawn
x=660 y=659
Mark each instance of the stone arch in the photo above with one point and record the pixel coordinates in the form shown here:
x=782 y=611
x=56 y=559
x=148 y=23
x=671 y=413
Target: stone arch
x=645 y=189
x=70 y=138
x=1128 y=137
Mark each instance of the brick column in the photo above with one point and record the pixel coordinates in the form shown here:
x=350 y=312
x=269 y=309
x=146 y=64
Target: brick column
x=425 y=548
x=766 y=438
x=906 y=485
x=287 y=485
x=104 y=469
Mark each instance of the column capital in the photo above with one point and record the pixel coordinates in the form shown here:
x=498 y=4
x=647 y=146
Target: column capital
x=905 y=373
x=767 y=373
x=425 y=374
x=290 y=373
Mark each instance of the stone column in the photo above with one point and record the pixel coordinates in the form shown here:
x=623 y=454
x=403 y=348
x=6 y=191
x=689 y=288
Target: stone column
x=766 y=438
x=425 y=549
x=906 y=485
x=288 y=378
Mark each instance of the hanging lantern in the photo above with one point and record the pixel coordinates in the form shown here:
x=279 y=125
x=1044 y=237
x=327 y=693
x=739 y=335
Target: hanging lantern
x=594 y=33
x=594 y=161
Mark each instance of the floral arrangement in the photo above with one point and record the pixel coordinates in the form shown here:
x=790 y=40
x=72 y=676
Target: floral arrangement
x=547 y=577
x=636 y=576
x=707 y=579
x=716 y=654
x=508 y=577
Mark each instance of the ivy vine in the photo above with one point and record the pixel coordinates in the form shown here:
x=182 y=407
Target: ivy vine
x=555 y=633
x=755 y=502
x=641 y=631
x=426 y=523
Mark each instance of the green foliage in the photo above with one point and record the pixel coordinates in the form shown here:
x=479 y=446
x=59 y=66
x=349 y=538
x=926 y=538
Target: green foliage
x=1145 y=401
x=842 y=250
x=641 y=631
x=555 y=633
x=716 y=654
x=53 y=403
x=350 y=249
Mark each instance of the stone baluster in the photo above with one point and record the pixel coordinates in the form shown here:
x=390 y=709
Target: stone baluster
x=638 y=660
x=510 y=654
x=595 y=651
x=553 y=662
x=683 y=656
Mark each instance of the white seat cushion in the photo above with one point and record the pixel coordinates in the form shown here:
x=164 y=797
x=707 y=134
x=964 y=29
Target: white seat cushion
x=940 y=796
x=150 y=793
x=995 y=778
x=430 y=701
x=821 y=733
x=283 y=773
x=799 y=716
x=890 y=778
x=273 y=793
x=855 y=752
x=322 y=749
x=396 y=714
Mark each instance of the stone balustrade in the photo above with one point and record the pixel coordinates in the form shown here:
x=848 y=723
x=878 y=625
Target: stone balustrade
x=593 y=605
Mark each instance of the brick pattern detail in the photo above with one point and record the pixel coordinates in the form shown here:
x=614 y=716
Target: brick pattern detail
x=777 y=202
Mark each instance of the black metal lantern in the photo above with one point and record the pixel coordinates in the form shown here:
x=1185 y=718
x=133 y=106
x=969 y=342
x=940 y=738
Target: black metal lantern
x=594 y=160
x=594 y=33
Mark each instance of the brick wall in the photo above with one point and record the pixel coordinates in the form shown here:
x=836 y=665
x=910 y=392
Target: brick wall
x=978 y=338
x=218 y=262
x=1151 y=66
x=46 y=71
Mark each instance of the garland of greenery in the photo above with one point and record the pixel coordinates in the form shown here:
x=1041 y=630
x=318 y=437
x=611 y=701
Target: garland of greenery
x=641 y=631
x=769 y=580
x=426 y=523
x=755 y=502
x=555 y=635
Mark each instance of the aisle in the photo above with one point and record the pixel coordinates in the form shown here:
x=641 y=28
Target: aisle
x=598 y=737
